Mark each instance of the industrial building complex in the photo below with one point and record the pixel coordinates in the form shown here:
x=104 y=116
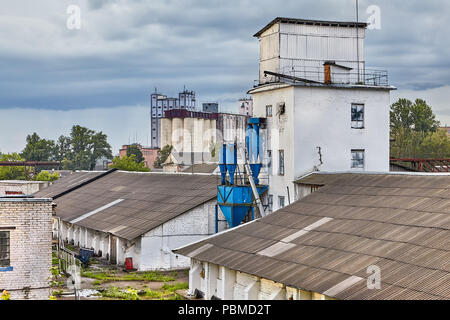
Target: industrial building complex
x=263 y=204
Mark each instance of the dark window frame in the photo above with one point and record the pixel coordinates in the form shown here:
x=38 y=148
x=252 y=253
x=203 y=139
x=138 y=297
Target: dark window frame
x=5 y=248
x=358 y=162
x=281 y=202
x=281 y=167
x=269 y=114
x=270 y=202
x=358 y=116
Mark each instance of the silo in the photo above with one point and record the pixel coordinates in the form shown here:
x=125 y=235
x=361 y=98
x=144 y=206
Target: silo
x=188 y=134
x=206 y=135
x=213 y=131
x=166 y=132
x=177 y=134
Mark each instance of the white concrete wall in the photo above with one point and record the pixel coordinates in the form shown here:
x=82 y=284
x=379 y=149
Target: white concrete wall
x=323 y=119
x=157 y=244
x=280 y=136
x=98 y=241
x=227 y=284
x=25 y=187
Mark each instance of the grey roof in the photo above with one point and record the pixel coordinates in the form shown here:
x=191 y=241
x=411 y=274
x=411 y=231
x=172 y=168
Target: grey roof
x=202 y=168
x=400 y=223
x=311 y=22
x=141 y=201
x=69 y=181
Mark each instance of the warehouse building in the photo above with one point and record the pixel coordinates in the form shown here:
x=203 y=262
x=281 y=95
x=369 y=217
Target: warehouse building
x=359 y=236
x=142 y=216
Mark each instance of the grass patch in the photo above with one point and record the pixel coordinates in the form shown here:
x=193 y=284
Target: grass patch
x=161 y=295
x=167 y=292
x=175 y=287
x=116 y=293
x=57 y=293
x=150 y=276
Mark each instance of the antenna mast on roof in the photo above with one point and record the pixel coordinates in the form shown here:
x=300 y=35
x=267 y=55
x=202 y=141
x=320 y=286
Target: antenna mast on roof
x=357 y=40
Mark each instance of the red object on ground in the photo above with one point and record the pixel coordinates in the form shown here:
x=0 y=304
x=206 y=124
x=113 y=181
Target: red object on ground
x=129 y=263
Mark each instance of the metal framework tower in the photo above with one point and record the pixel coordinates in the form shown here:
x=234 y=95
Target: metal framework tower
x=238 y=194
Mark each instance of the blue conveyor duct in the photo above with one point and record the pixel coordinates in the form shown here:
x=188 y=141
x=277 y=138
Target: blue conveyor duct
x=223 y=164
x=231 y=160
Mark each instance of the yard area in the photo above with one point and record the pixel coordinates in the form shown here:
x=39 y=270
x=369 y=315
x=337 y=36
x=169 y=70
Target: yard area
x=102 y=281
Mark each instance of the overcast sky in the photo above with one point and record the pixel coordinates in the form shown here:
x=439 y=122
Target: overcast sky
x=101 y=75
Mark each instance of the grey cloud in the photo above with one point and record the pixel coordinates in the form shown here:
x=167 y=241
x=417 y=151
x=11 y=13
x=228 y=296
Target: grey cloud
x=128 y=47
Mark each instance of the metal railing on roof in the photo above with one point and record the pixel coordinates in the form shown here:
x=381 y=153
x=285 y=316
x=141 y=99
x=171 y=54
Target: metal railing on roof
x=367 y=77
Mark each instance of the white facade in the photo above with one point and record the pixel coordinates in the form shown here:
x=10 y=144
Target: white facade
x=226 y=284
x=320 y=117
x=152 y=250
x=22 y=187
x=246 y=107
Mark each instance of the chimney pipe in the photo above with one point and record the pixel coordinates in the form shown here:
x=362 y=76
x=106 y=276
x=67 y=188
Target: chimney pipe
x=327 y=73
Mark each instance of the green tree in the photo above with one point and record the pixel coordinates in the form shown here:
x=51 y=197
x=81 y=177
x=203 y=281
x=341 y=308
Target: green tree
x=87 y=147
x=128 y=163
x=63 y=150
x=12 y=173
x=435 y=145
x=163 y=154
x=414 y=131
x=100 y=148
x=38 y=149
x=47 y=176
x=417 y=116
x=134 y=149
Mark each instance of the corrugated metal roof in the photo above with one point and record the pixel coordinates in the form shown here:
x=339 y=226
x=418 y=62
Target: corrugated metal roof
x=148 y=200
x=311 y=22
x=201 y=168
x=399 y=223
x=69 y=181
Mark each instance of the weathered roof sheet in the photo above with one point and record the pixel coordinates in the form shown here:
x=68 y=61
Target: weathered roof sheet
x=69 y=181
x=201 y=168
x=134 y=203
x=400 y=223
x=311 y=22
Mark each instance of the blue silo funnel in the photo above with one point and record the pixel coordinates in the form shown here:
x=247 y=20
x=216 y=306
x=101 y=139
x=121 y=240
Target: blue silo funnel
x=234 y=215
x=222 y=164
x=256 y=170
x=231 y=160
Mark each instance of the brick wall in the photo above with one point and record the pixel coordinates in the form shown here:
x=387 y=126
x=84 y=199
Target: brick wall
x=29 y=222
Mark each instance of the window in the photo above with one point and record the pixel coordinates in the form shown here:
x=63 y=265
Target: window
x=270 y=203
x=268 y=111
x=358 y=159
x=281 y=202
x=357 y=116
x=281 y=162
x=4 y=249
x=269 y=160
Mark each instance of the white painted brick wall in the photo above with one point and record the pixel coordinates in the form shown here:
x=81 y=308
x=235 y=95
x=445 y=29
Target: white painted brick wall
x=30 y=247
